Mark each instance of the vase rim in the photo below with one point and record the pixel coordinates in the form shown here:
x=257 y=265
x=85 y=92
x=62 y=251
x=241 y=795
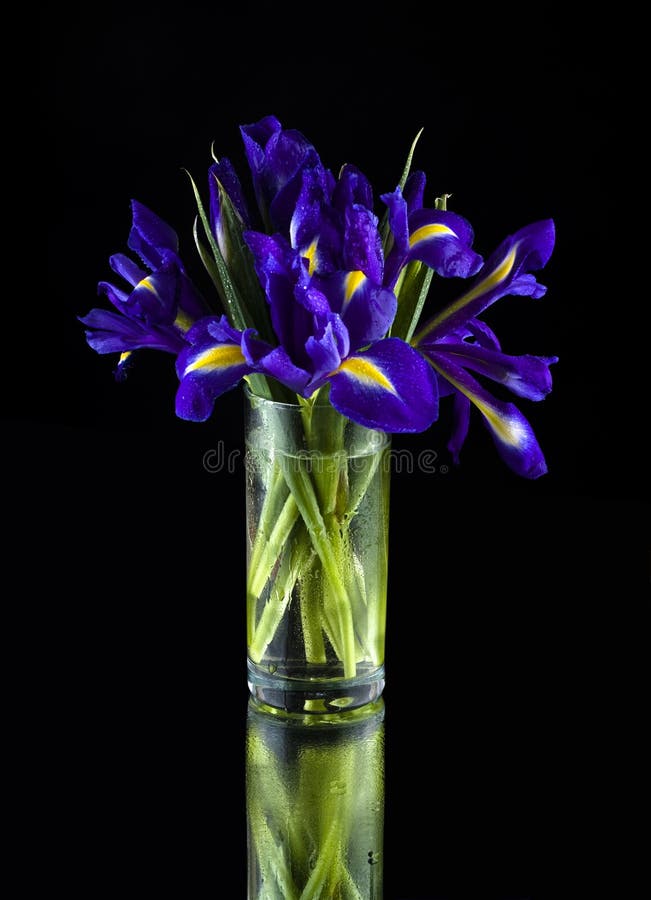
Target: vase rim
x=251 y=395
x=257 y=401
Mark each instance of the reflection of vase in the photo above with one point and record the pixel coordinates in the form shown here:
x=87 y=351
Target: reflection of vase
x=315 y=804
x=317 y=542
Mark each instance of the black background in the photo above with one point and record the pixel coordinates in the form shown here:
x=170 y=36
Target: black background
x=512 y=661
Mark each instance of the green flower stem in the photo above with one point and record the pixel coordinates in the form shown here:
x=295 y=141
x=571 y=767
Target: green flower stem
x=376 y=620
x=264 y=558
x=309 y=598
x=344 y=556
x=272 y=504
x=301 y=487
x=274 y=609
x=278 y=514
x=374 y=582
x=312 y=496
x=264 y=555
x=328 y=468
x=361 y=484
x=330 y=622
x=326 y=437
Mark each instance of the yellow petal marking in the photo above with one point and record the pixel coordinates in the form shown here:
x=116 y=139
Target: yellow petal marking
x=310 y=255
x=366 y=372
x=183 y=320
x=146 y=283
x=425 y=232
x=496 y=277
x=352 y=282
x=508 y=431
x=217 y=358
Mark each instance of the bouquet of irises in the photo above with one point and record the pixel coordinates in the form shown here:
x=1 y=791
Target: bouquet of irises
x=319 y=293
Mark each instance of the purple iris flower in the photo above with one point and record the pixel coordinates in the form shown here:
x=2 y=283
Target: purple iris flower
x=211 y=362
x=276 y=157
x=160 y=306
x=332 y=282
x=437 y=237
x=223 y=174
x=327 y=337
x=330 y=313
x=330 y=295
x=457 y=343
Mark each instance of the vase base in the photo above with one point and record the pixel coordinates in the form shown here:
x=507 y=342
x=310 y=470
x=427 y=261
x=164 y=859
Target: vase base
x=314 y=694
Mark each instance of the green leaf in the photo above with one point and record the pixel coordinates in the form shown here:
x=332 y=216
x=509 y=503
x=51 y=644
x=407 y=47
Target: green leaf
x=387 y=237
x=407 y=168
x=411 y=298
x=209 y=263
x=235 y=308
x=241 y=267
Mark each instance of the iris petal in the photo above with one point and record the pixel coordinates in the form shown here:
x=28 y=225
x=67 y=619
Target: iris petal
x=117 y=296
x=109 y=332
x=461 y=423
x=352 y=187
x=389 y=386
x=206 y=370
x=125 y=267
x=362 y=243
x=223 y=173
x=510 y=430
x=527 y=376
x=151 y=238
x=442 y=240
x=327 y=349
x=278 y=364
x=367 y=308
x=504 y=273
x=155 y=298
x=398 y=221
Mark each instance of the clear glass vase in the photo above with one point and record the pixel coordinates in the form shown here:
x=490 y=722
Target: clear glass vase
x=317 y=516
x=315 y=804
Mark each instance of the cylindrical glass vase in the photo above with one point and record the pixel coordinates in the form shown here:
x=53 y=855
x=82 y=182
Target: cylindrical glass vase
x=315 y=804
x=317 y=516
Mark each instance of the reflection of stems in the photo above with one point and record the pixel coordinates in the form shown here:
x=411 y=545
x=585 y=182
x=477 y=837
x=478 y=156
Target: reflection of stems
x=337 y=775
x=274 y=866
x=266 y=782
x=323 y=864
x=314 y=804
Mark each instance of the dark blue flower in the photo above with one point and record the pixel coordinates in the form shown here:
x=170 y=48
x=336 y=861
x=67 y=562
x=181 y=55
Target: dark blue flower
x=160 y=306
x=456 y=343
